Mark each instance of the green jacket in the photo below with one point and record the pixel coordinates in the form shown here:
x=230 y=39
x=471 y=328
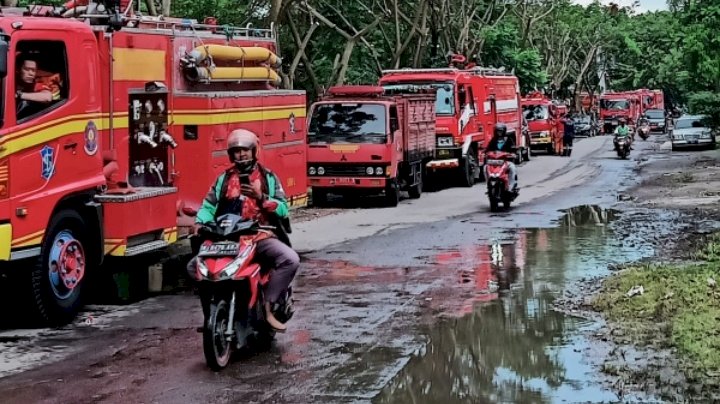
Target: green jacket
x=622 y=131
x=274 y=188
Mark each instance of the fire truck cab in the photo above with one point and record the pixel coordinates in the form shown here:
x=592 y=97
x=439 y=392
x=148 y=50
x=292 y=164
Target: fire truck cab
x=114 y=128
x=614 y=106
x=469 y=102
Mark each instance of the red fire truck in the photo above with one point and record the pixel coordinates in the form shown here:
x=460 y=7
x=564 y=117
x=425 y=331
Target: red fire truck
x=651 y=99
x=130 y=133
x=614 y=106
x=542 y=117
x=361 y=140
x=469 y=102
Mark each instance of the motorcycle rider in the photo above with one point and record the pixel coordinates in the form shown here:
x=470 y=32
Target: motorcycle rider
x=502 y=142
x=252 y=197
x=622 y=131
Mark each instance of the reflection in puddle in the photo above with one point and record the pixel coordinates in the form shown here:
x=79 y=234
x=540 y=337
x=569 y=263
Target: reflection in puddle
x=512 y=347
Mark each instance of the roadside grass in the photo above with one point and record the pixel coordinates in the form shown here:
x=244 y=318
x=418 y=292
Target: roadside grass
x=680 y=307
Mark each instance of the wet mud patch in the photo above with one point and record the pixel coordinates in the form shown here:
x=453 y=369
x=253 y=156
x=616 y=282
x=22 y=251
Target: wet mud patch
x=500 y=336
x=631 y=365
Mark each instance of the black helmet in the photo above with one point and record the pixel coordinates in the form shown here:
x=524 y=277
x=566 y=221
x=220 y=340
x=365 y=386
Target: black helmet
x=500 y=129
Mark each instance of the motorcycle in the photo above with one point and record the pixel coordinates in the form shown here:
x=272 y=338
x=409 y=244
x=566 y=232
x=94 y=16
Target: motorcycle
x=497 y=172
x=622 y=146
x=231 y=288
x=644 y=129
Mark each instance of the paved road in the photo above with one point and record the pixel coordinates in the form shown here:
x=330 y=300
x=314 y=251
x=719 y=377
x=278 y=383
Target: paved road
x=372 y=281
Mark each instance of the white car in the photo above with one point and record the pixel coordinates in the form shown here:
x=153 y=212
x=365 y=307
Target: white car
x=691 y=131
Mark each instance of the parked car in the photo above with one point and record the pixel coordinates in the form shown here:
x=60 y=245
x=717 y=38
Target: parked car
x=585 y=126
x=692 y=131
x=657 y=120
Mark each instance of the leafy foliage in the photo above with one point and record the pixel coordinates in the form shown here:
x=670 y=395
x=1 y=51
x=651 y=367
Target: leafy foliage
x=552 y=44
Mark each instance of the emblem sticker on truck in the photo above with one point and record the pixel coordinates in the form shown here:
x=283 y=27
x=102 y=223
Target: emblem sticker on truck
x=48 y=162
x=91 y=136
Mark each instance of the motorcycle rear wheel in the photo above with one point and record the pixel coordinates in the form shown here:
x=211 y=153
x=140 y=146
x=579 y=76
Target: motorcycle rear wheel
x=216 y=346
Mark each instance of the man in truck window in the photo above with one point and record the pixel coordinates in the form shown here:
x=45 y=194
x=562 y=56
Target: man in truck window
x=32 y=89
x=247 y=197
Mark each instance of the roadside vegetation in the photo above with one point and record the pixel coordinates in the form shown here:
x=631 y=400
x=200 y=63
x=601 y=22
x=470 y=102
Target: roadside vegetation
x=679 y=307
x=557 y=45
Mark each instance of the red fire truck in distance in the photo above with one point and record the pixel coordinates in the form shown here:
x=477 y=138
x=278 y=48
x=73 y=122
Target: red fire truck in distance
x=469 y=102
x=651 y=99
x=542 y=118
x=129 y=136
x=363 y=141
x=614 y=106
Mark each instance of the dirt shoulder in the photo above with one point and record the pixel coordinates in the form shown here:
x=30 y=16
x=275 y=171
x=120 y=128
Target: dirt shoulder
x=662 y=341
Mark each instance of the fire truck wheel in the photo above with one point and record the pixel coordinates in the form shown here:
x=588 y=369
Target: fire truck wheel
x=58 y=276
x=416 y=190
x=467 y=178
x=392 y=194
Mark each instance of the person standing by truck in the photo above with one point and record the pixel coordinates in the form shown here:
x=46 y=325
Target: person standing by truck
x=568 y=135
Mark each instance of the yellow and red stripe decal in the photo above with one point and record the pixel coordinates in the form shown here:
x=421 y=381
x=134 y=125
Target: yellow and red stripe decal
x=49 y=131
x=115 y=246
x=29 y=240
x=170 y=235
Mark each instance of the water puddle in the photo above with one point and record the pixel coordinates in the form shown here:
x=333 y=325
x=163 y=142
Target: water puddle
x=506 y=343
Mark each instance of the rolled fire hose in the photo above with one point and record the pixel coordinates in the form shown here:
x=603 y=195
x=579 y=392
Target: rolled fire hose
x=235 y=53
x=220 y=74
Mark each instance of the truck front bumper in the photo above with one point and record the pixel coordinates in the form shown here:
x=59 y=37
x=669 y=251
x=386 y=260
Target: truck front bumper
x=347 y=182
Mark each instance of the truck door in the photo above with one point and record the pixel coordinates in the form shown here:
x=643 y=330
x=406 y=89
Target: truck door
x=54 y=116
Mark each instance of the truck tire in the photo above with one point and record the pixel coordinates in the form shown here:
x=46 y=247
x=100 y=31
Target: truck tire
x=392 y=194
x=60 y=273
x=467 y=173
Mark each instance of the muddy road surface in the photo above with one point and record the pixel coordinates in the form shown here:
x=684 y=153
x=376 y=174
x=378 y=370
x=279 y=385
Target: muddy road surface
x=437 y=300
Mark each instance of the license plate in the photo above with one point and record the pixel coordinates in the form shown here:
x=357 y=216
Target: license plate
x=219 y=249
x=443 y=153
x=345 y=181
x=692 y=141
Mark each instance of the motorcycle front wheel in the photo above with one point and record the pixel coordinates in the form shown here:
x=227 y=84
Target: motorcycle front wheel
x=216 y=346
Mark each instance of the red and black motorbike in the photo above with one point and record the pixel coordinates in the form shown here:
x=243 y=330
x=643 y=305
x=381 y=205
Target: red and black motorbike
x=497 y=175
x=622 y=146
x=231 y=288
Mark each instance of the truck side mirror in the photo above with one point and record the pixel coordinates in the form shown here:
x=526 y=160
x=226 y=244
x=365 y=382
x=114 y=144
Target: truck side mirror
x=3 y=55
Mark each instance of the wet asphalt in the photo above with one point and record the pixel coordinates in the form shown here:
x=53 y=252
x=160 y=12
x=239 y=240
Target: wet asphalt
x=447 y=311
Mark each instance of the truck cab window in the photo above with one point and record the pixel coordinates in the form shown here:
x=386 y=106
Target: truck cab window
x=40 y=78
x=394 y=125
x=461 y=97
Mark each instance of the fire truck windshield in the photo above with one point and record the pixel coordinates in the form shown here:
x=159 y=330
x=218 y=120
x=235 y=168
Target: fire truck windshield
x=444 y=95
x=348 y=123
x=617 y=105
x=535 y=112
